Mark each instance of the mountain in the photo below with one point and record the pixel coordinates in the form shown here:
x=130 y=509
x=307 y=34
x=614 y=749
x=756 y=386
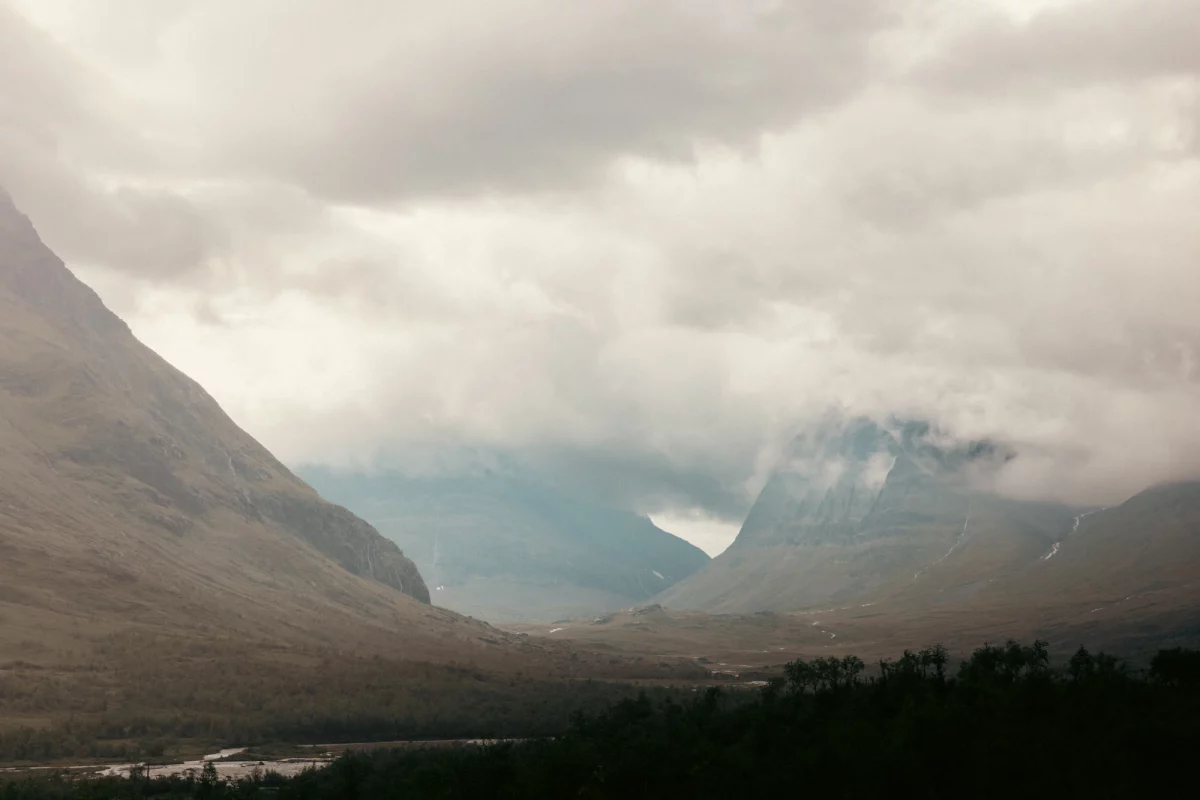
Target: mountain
x=166 y=583
x=504 y=546
x=1141 y=555
x=883 y=535
x=128 y=497
x=859 y=512
x=1123 y=578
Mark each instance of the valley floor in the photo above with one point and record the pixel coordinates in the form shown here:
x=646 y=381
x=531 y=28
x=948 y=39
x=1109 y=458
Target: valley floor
x=744 y=644
x=147 y=695
x=1006 y=722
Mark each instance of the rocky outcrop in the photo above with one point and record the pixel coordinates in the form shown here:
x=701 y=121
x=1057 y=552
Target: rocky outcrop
x=345 y=539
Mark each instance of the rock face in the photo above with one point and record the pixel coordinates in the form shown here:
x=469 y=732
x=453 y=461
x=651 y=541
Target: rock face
x=508 y=547
x=345 y=538
x=859 y=512
x=122 y=481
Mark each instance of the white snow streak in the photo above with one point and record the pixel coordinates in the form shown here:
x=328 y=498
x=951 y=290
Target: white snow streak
x=961 y=537
x=1074 y=527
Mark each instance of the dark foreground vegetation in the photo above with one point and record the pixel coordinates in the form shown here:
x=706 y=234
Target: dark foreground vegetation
x=1004 y=724
x=146 y=698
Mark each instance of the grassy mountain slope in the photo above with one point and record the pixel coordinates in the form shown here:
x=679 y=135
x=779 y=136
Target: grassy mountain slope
x=127 y=496
x=1142 y=552
x=164 y=579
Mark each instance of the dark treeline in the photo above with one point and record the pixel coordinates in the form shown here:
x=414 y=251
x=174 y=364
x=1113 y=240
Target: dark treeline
x=483 y=706
x=1004 y=724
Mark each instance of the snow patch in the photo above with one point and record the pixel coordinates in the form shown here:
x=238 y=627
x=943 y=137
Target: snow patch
x=961 y=536
x=1074 y=527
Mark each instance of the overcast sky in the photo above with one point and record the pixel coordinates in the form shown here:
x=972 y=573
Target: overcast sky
x=641 y=242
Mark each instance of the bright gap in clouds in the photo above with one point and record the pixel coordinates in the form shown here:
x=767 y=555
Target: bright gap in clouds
x=711 y=535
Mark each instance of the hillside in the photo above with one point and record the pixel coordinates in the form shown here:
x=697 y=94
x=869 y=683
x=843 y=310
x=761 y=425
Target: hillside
x=883 y=538
x=1137 y=563
x=859 y=513
x=506 y=547
x=127 y=497
x=1124 y=579
x=165 y=580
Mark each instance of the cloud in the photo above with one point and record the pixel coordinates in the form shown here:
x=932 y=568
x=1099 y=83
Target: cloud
x=1096 y=42
x=410 y=100
x=640 y=249
x=63 y=141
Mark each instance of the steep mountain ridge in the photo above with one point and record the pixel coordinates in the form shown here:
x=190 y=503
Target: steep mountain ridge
x=127 y=494
x=829 y=489
x=508 y=546
x=860 y=512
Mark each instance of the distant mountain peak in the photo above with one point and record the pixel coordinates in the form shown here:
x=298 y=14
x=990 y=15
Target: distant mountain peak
x=514 y=546
x=838 y=480
x=860 y=509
